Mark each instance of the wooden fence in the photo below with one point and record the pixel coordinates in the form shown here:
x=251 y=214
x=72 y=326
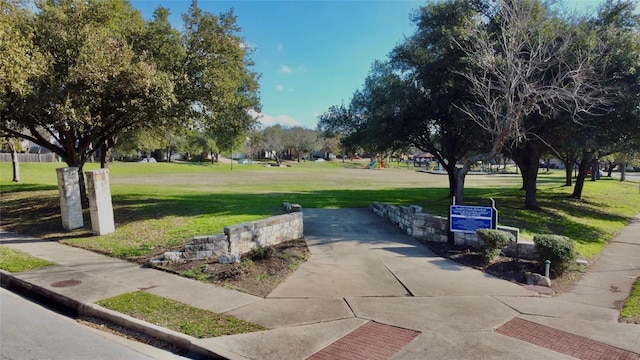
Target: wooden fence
x=50 y=157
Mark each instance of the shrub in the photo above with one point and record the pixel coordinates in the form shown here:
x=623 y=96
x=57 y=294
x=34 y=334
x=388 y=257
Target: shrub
x=557 y=249
x=493 y=241
x=261 y=252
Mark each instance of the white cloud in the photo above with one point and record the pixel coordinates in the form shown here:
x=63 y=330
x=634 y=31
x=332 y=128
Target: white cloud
x=282 y=88
x=268 y=120
x=285 y=69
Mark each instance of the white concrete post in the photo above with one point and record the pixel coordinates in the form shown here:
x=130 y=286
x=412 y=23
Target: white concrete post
x=70 y=203
x=100 y=202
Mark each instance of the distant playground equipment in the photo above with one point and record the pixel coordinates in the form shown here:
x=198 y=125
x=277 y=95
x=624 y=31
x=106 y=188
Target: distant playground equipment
x=376 y=163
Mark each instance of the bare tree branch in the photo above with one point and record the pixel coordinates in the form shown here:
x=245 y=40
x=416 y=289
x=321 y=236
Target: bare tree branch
x=527 y=60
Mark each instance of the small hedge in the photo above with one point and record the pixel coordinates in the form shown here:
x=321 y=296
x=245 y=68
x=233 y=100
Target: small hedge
x=557 y=249
x=493 y=241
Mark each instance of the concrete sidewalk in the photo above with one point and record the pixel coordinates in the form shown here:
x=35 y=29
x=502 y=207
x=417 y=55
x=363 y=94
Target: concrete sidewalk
x=363 y=271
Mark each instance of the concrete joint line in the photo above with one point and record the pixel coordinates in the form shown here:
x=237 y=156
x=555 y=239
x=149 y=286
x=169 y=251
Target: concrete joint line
x=397 y=279
x=507 y=305
x=350 y=308
x=245 y=305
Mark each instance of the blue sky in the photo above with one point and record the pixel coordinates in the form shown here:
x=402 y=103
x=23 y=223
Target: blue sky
x=312 y=54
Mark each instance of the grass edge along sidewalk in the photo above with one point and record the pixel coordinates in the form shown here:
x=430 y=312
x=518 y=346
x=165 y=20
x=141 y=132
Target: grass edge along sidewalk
x=151 y=308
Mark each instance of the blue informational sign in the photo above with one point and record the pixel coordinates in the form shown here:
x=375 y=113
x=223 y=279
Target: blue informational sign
x=468 y=219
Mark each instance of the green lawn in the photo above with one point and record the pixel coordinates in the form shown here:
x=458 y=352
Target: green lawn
x=177 y=316
x=160 y=205
x=15 y=261
x=631 y=310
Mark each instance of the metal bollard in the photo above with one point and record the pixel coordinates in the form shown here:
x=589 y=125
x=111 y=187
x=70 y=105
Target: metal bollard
x=547 y=264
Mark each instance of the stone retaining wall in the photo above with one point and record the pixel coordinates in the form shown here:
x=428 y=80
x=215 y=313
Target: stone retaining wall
x=240 y=239
x=427 y=227
x=413 y=221
x=245 y=237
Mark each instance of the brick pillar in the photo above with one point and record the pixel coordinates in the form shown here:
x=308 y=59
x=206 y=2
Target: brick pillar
x=100 y=202
x=70 y=203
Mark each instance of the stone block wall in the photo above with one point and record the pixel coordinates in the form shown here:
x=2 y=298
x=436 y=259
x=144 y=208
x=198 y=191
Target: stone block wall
x=413 y=221
x=247 y=236
x=240 y=239
x=427 y=227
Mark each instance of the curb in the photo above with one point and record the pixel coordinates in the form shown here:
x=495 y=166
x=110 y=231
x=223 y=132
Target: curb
x=180 y=340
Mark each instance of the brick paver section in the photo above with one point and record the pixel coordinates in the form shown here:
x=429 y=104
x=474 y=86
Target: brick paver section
x=371 y=341
x=563 y=342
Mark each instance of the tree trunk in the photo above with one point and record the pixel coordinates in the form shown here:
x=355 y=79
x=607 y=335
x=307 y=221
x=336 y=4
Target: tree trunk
x=586 y=160
x=623 y=172
x=451 y=174
x=14 y=161
x=84 y=199
x=105 y=154
x=523 y=175
x=527 y=157
x=78 y=163
x=568 y=174
x=610 y=168
x=531 y=190
x=459 y=177
x=595 y=170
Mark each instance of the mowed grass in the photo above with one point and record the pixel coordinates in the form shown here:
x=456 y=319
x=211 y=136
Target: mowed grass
x=631 y=310
x=16 y=261
x=158 y=206
x=177 y=316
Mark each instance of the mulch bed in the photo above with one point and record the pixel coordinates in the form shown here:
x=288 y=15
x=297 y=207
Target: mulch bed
x=503 y=267
x=257 y=274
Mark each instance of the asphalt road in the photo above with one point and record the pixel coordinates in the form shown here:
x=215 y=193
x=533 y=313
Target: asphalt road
x=629 y=175
x=31 y=331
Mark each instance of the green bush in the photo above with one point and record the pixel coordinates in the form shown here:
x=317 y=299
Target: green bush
x=557 y=249
x=261 y=252
x=493 y=241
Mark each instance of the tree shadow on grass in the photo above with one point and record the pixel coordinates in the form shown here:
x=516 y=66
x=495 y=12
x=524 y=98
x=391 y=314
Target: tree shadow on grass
x=20 y=187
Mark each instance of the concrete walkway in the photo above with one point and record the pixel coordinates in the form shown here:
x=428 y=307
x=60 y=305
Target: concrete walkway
x=363 y=280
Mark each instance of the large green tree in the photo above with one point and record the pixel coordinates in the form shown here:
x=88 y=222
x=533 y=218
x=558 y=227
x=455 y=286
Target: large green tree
x=105 y=72
x=19 y=61
x=416 y=98
x=221 y=89
x=92 y=85
x=301 y=140
x=615 y=124
x=433 y=59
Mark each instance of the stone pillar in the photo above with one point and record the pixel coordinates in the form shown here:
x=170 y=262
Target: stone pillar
x=100 y=202
x=70 y=202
